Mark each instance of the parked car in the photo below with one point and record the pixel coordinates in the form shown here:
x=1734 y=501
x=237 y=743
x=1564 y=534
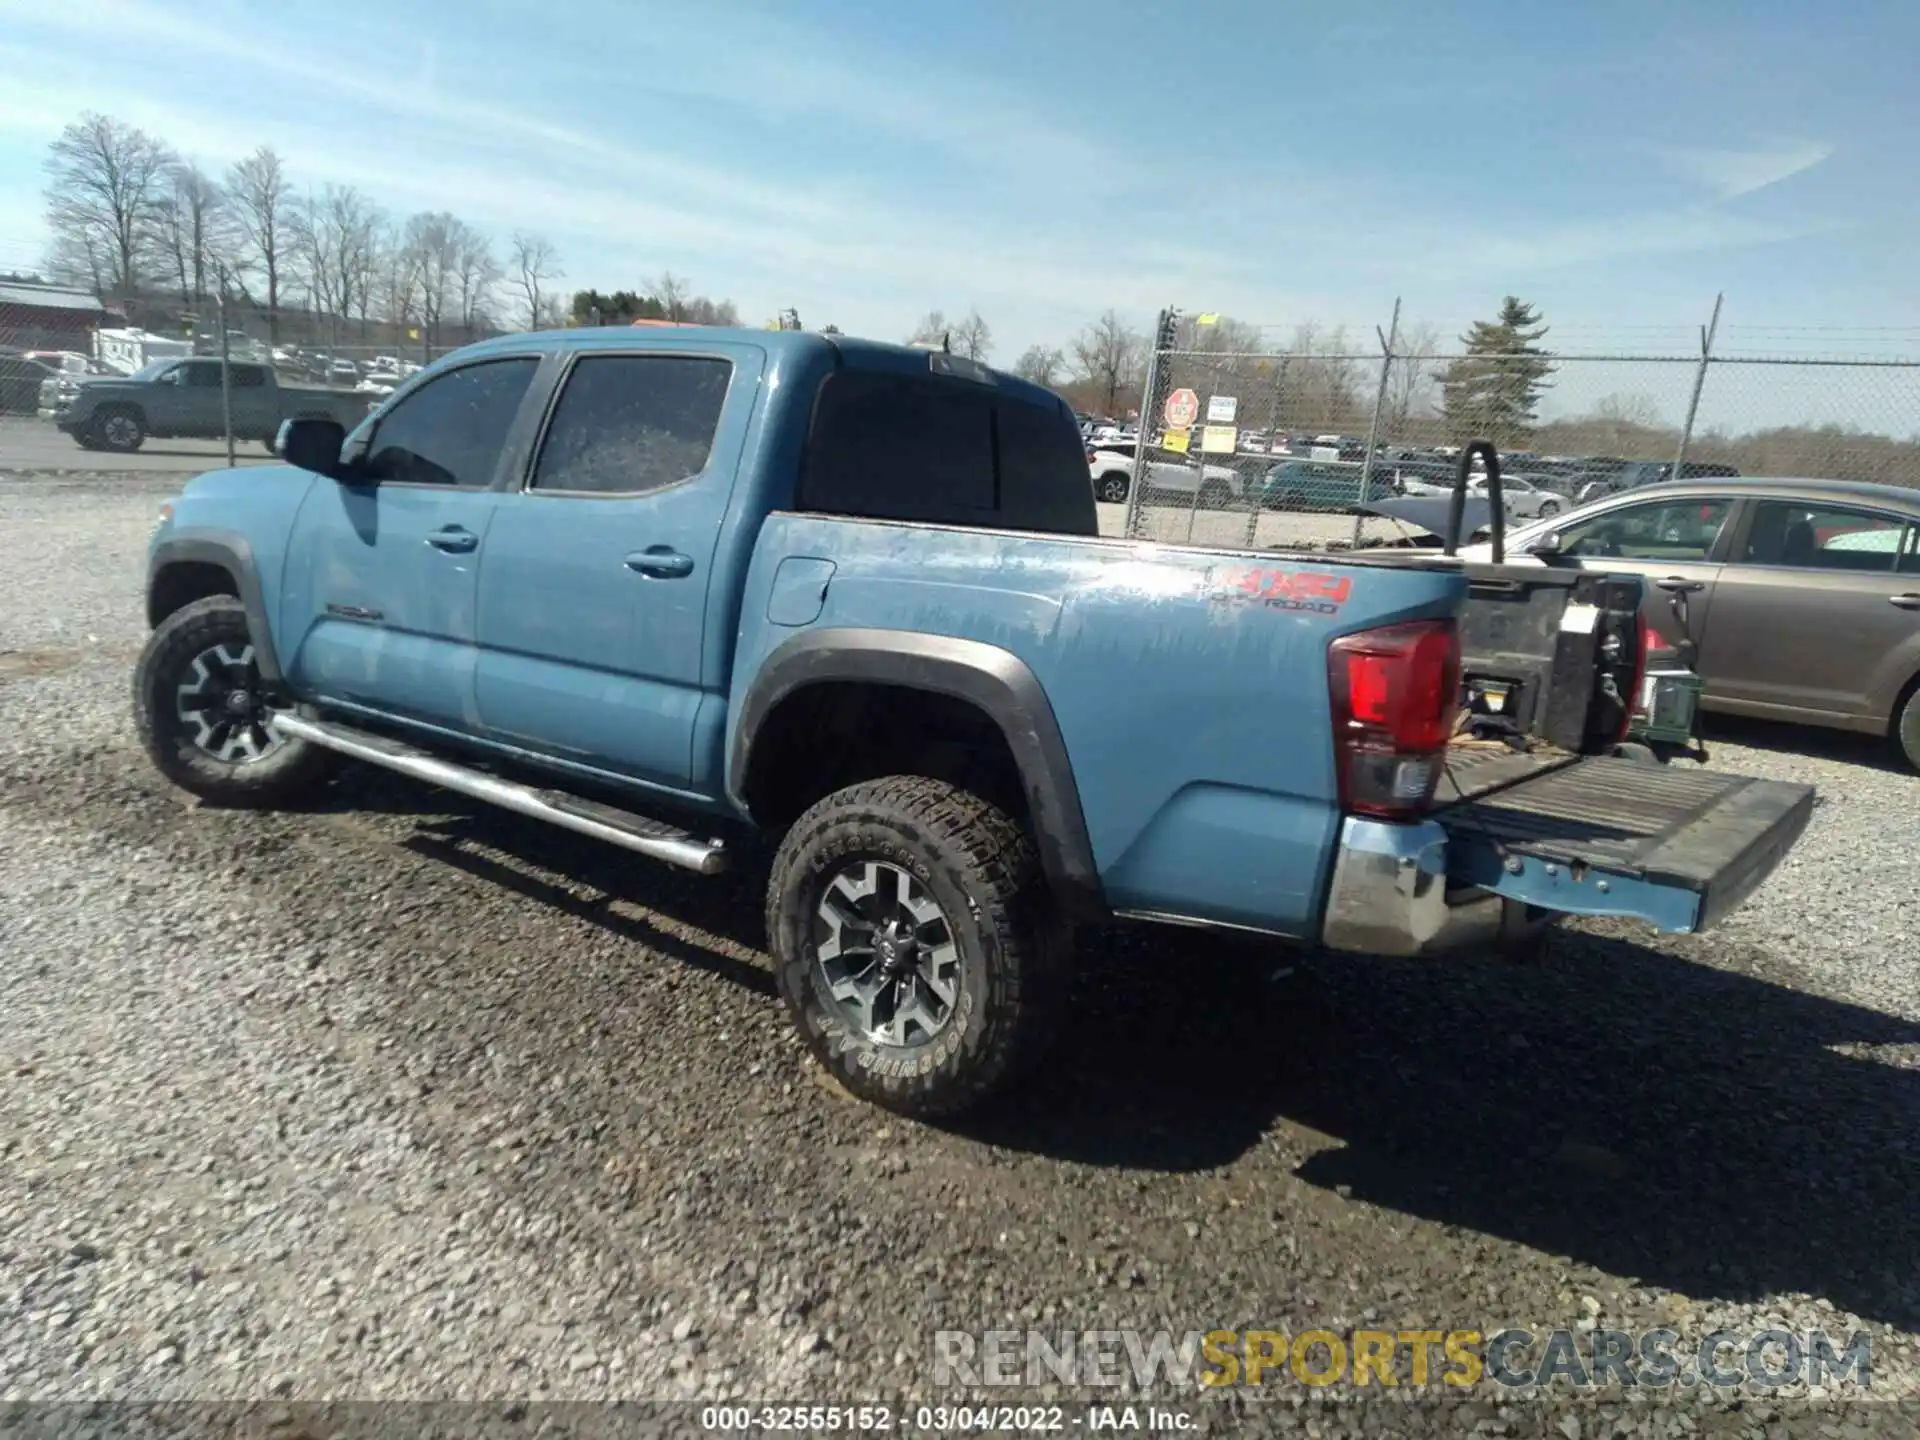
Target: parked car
x=1110 y=465
x=1798 y=600
x=850 y=600
x=183 y=398
x=1321 y=485
x=21 y=380
x=1524 y=497
x=343 y=372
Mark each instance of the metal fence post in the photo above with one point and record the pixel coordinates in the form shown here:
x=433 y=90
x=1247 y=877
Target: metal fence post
x=1387 y=342
x=226 y=368
x=1138 y=482
x=1699 y=384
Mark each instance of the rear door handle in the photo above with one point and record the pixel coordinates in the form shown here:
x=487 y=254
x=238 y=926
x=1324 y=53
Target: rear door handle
x=1680 y=585
x=1908 y=601
x=661 y=562
x=454 y=539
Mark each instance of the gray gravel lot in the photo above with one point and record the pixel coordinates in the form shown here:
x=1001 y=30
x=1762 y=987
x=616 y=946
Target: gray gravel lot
x=402 y=1098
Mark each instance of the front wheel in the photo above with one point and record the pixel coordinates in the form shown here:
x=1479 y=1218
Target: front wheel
x=1113 y=489
x=202 y=707
x=916 y=945
x=120 y=430
x=1549 y=508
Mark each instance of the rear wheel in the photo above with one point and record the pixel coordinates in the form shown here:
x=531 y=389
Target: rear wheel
x=1113 y=489
x=202 y=708
x=1215 y=495
x=916 y=945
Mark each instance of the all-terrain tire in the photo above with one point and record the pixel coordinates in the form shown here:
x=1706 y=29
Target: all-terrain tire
x=208 y=644
x=980 y=868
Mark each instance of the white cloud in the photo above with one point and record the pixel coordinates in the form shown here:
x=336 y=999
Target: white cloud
x=1727 y=174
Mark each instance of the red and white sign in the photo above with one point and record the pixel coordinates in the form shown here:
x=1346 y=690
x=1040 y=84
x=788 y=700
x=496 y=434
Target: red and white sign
x=1183 y=408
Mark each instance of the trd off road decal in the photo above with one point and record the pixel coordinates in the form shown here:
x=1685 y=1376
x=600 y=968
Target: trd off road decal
x=1308 y=590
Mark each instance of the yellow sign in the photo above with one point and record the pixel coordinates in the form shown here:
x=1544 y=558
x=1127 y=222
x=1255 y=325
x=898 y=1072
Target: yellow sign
x=413 y=334
x=1176 y=441
x=1212 y=317
x=1219 y=439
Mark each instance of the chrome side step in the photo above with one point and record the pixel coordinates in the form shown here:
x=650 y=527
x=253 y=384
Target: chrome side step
x=652 y=838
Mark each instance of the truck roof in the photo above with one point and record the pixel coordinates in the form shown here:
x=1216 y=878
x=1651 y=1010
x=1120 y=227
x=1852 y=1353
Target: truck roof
x=852 y=353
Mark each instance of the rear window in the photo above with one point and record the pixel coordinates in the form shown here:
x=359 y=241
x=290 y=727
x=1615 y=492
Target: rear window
x=945 y=452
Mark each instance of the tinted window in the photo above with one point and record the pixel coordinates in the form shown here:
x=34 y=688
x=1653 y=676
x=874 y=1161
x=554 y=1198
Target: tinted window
x=1667 y=530
x=899 y=447
x=248 y=377
x=202 y=374
x=632 y=423
x=1043 y=471
x=1822 y=537
x=451 y=430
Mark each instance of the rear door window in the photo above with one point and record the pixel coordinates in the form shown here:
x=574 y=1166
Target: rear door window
x=630 y=424
x=1823 y=537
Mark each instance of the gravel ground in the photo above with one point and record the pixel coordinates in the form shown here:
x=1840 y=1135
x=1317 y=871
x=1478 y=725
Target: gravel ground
x=402 y=1099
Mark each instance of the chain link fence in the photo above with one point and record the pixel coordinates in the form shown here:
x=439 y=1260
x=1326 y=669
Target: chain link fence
x=1285 y=447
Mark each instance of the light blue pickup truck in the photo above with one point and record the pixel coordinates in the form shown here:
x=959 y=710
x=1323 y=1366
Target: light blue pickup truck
x=675 y=590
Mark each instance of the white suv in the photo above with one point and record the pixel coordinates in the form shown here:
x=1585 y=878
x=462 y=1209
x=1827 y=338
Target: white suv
x=1111 y=465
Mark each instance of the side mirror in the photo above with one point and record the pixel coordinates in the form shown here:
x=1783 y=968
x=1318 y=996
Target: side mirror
x=1545 y=546
x=311 y=445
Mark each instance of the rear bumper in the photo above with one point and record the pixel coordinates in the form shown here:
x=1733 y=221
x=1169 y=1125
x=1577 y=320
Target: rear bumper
x=1389 y=894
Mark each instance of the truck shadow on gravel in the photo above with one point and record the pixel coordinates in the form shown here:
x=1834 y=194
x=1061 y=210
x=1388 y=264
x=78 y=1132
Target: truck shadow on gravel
x=1692 y=1127
x=1689 y=1126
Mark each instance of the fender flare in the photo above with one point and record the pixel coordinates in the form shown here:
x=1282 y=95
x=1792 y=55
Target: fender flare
x=996 y=681
x=231 y=553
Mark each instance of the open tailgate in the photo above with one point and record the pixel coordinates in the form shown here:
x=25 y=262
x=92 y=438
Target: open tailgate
x=1604 y=836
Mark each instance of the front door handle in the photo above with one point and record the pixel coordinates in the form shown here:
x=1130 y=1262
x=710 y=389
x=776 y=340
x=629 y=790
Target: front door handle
x=1908 y=601
x=1680 y=585
x=454 y=539
x=661 y=562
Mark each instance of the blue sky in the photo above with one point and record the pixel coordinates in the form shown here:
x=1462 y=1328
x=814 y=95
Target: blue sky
x=868 y=160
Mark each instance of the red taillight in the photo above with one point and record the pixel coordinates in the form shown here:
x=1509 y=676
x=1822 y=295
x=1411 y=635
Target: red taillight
x=1395 y=694
x=1643 y=636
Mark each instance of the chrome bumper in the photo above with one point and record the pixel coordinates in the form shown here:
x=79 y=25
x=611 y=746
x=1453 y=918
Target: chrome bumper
x=1389 y=894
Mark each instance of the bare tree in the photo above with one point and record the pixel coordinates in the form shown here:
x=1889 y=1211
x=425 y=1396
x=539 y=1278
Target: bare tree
x=79 y=259
x=973 y=337
x=535 y=262
x=192 y=223
x=336 y=241
x=1041 y=364
x=259 y=194
x=672 y=291
x=105 y=181
x=434 y=240
x=476 y=273
x=1107 y=354
x=933 y=329
x=1413 y=378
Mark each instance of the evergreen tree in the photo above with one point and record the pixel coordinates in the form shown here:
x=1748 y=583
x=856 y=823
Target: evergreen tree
x=1493 y=391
